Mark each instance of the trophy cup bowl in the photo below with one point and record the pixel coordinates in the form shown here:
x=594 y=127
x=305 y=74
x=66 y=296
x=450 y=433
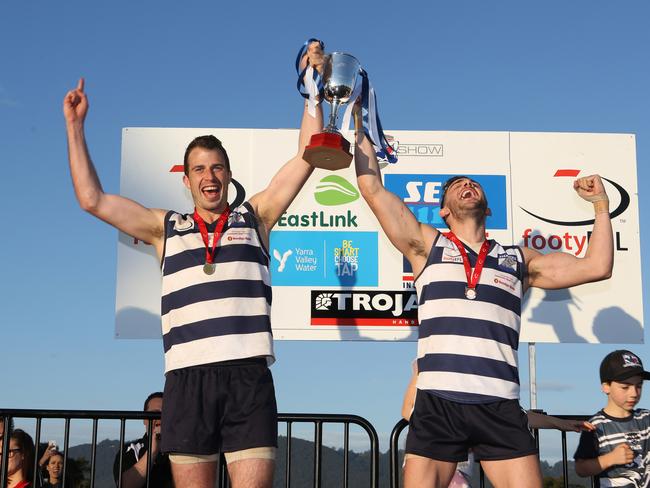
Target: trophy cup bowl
x=329 y=149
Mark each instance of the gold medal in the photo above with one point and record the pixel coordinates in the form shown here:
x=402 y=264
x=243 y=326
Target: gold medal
x=208 y=268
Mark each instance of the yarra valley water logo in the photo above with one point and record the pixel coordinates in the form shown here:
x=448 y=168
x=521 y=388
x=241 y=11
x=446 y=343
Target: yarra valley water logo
x=335 y=190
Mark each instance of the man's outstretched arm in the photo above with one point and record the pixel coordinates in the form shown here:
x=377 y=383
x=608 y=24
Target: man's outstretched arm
x=409 y=236
x=125 y=214
x=272 y=202
x=562 y=270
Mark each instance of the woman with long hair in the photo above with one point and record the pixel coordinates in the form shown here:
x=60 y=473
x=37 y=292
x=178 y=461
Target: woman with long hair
x=21 y=459
x=54 y=469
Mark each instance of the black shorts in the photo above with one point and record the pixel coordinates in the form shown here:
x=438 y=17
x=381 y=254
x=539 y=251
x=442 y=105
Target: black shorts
x=444 y=430
x=220 y=407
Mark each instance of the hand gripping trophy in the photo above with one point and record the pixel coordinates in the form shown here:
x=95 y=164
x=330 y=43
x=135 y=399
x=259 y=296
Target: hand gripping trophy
x=336 y=80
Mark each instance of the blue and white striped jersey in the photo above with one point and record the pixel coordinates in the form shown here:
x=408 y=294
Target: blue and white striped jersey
x=218 y=317
x=467 y=349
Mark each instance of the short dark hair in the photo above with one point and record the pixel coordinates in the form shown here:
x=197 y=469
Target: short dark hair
x=155 y=394
x=208 y=142
x=26 y=446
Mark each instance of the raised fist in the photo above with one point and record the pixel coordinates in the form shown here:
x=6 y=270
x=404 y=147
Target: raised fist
x=590 y=188
x=314 y=56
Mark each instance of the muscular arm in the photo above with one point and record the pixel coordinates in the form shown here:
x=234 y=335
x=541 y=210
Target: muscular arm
x=125 y=214
x=409 y=236
x=562 y=270
x=272 y=202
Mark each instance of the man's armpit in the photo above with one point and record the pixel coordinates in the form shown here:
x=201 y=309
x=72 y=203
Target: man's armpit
x=417 y=247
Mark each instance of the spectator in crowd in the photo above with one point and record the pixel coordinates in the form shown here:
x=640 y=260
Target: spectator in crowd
x=49 y=451
x=53 y=475
x=618 y=450
x=135 y=454
x=21 y=459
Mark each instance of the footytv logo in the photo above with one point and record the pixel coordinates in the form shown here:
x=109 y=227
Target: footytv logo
x=240 y=192
x=573 y=173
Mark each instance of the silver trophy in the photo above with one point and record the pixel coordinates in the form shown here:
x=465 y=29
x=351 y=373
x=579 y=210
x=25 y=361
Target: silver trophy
x=329 y=149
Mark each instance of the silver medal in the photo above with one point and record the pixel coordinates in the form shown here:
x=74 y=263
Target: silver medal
x=470 y=293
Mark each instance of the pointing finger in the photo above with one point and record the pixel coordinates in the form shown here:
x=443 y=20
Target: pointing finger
x=80 y=85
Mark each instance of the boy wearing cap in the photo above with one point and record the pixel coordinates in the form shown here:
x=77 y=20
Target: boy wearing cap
x=618 y=450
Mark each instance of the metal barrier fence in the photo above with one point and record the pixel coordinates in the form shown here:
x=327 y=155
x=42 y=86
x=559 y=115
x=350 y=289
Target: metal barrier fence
x=396 y=465
x=318 y=420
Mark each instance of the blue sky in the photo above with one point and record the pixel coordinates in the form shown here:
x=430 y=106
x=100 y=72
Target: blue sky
x=471 y=65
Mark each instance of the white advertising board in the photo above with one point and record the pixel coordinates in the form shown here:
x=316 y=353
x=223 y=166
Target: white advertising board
x=335 y=275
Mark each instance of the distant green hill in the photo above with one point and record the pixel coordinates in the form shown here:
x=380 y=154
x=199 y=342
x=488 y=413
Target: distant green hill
x=302 y=471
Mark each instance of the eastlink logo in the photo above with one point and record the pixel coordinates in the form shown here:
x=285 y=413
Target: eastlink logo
x=364 y=308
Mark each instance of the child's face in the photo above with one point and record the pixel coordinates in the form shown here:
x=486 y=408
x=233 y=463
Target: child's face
x=624 y=395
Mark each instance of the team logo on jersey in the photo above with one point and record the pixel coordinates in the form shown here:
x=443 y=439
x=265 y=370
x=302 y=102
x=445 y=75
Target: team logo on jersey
x=182 y=224
x=236 y=219
x=507 y=262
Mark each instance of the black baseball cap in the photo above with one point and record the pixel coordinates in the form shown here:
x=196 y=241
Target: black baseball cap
x=620 y=365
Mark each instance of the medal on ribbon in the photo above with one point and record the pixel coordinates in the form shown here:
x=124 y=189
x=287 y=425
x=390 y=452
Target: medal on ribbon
x=210 y=267
x=474 y=276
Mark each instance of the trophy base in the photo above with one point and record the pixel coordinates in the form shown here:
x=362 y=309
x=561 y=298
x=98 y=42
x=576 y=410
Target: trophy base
x=328 y=150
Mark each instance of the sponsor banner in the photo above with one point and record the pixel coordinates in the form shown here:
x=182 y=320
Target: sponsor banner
x=364 y=308
x=418 y=150
x=549 y=216
x=422 y=193
x=324 y=258
x=329 y=242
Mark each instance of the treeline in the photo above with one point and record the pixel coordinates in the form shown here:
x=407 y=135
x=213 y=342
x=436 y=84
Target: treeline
x=301 y=467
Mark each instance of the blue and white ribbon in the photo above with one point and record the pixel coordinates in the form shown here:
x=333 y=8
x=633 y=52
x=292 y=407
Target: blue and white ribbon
x=310 y=86
x=310 y=82
x=370 y=117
